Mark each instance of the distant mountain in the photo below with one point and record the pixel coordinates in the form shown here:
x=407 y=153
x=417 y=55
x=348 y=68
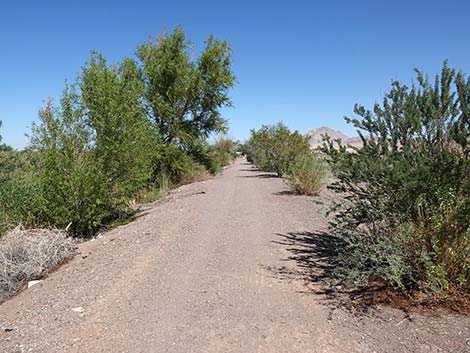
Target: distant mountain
x=316 y=137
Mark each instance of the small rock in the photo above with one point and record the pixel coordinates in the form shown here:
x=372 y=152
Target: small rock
x=78 y=309
x=32 y=283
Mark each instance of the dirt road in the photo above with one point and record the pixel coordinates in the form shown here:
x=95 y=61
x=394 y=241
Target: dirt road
x=219 y=266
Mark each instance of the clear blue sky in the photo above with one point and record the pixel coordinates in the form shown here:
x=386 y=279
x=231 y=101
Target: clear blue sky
x=303 y=62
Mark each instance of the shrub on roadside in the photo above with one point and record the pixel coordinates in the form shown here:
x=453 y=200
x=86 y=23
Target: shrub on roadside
x=274 y=148
x=77 y=192
x=197 y=173
x=213 y=157
x=224 y=150
x=404 y=217
x=171 y=164
x=21 y=202
x=307 y=174
x=28 y=255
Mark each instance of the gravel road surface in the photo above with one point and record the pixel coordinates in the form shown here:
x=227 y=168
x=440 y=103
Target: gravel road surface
x=218 y=266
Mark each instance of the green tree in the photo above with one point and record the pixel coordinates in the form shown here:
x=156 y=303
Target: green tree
x=111 y=103
x=184 y=96
x=75 y=188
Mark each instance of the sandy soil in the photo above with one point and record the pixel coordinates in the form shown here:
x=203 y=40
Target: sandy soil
x=233 y=264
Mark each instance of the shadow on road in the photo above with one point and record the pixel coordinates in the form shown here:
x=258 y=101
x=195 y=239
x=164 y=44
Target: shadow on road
x=263 y=175
x=251 y=170
x=315 y=256
x=314 y=253
x=288 y=193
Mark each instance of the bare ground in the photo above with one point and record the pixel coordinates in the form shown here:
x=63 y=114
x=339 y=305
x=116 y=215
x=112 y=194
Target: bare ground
x=234 y=264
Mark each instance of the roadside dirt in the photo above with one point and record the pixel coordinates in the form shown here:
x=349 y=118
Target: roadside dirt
x=233 y=264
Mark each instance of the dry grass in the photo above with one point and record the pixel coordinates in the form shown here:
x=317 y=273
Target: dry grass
x=27 y=255
x=308 y=174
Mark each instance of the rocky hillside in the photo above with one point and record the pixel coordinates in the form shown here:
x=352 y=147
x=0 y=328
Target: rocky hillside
x=316 y=135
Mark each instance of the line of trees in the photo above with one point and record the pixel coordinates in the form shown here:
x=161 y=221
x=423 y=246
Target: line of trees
x=121 y=132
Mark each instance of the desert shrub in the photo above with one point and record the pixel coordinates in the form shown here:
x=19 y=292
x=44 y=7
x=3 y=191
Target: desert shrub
x=274 y=148
x=28 y=255
x=404 y=217
x=226 y=149
x=14 y=164
x=215 y=162
x=213 y=157
x=200 y=151
x=80 y=198
x=76 y=190
x=171 y=164
x=308 y=174
x=21 y=202
x=150 y=194
x=443 y=232
x=198 y=172
x=217 y=159
x=21 y=198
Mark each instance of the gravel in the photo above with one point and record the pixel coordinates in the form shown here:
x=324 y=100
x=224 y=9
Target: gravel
x=218 y=266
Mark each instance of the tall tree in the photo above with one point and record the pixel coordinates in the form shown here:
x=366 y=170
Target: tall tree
x=112 y=105
x=184 y=96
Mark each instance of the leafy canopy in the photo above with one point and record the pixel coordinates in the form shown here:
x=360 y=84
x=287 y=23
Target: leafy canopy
x=184 y=96
x=126 y=128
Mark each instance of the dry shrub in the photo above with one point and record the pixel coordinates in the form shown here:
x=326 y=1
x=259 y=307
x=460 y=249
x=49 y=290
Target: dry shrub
x=308 y=174
x=27 y=255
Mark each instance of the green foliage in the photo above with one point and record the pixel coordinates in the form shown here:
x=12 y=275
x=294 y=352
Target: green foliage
x=121 y=133
x=15 y=164
x=74 y=185
x=405 y=218
x=151 y=194
x=20 y=197
x=171 y=164
x=274 y=148
x=5 y=148
x=184 y=97
x=21 y=202
x=213 y=157
x=221 y=154
x=112 y=109
x=308 y=174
